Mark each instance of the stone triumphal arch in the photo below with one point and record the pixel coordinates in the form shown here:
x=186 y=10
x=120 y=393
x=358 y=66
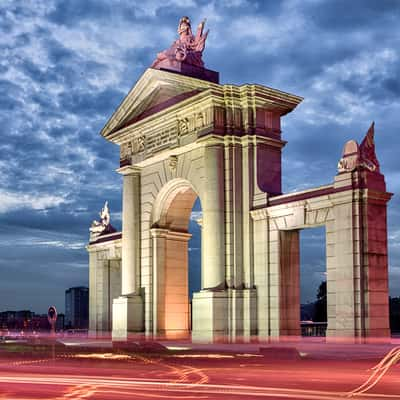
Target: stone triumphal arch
x=184 y=136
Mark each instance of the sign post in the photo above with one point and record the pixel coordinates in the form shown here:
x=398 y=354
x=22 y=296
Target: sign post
x=52 y=318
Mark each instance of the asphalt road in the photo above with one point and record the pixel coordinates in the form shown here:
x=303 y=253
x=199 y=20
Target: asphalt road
x=96 y=374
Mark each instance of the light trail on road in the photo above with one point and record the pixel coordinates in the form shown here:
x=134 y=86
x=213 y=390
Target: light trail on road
x=87 y=387
x=91 y=375
x=379 y=371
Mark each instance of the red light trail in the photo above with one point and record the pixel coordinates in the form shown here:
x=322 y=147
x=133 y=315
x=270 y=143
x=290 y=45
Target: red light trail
x=210 y=376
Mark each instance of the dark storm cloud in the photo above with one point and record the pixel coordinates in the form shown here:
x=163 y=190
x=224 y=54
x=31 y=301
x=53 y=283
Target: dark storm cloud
x=67 y=65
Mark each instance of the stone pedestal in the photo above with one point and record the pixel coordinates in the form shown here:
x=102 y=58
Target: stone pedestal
x=189 y=70
x=209 y=316
x=127 y=316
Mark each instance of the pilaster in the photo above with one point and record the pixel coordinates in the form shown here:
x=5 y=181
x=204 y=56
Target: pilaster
x=170 y=283
x=261 y=272
x=104 y=283
x=289 y=285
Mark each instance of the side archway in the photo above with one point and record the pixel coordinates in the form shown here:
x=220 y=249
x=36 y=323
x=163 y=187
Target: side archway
x=173 y=205
x=170 y=237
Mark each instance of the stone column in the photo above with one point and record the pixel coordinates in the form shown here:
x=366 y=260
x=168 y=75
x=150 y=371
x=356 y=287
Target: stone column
x=213 y=248
x=130 y=231
x=128 y=308
x=210 y=305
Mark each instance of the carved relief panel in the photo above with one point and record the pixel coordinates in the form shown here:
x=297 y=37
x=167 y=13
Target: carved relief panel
x=178 y=130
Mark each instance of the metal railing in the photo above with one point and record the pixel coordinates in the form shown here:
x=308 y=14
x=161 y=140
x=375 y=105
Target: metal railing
x=310 y=328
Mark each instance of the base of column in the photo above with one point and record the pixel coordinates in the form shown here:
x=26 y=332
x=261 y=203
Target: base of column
x=92 y=334
x=349 y=337
x=127 y=317
x=171 y=334
x=210 y=316
x=243 y=315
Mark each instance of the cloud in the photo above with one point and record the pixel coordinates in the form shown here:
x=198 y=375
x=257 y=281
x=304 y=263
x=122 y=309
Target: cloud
x=195 y=215
x=365 y=66
x=37 y=242
x=268 y=34
x=14 y=201
x=394 y=236
x=347 y=80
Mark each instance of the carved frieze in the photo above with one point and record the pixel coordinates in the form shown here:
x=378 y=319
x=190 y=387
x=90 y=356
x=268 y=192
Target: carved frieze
x=173 y=163
x=183 y=126
x=200 y=120
x=125 y=151
x=161 y=139
x=134 y=146
x=153 y=139
x=192 y=123
x=138 y=144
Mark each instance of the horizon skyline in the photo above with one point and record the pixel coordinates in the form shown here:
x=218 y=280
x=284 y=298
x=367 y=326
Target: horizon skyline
x=68 y=65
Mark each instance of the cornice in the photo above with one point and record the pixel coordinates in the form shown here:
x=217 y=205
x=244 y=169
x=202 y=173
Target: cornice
x=129 y=170
x=232 y=96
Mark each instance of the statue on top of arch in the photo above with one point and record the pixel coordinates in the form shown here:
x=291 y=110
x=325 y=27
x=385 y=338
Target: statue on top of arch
x=187 y=49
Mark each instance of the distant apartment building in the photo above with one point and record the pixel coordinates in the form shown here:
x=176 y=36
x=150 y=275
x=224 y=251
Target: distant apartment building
x=76 y=308
x=60 y=322
x=27 y=321
x=15 y=320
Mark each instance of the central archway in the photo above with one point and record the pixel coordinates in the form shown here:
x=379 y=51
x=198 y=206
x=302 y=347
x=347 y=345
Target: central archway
x=170 y=233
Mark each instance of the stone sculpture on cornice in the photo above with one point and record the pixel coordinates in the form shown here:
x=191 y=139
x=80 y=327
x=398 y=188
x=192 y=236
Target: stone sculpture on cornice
x=367 y=150
x=360 y=156
x=103 y=226
x=188 y=48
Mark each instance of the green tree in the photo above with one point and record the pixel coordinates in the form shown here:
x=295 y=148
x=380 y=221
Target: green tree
x=320 y=312
x=394 y=312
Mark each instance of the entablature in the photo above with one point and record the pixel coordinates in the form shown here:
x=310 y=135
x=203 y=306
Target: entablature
x=173 y=119
x=108 y=248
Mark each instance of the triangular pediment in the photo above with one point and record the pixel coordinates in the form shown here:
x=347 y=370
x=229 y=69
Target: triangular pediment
x=154 y=91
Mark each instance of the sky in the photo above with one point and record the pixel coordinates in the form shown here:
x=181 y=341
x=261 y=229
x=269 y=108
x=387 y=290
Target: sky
x=65 y=66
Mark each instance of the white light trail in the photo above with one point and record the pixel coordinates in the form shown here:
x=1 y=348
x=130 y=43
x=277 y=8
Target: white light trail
x=125 y=387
